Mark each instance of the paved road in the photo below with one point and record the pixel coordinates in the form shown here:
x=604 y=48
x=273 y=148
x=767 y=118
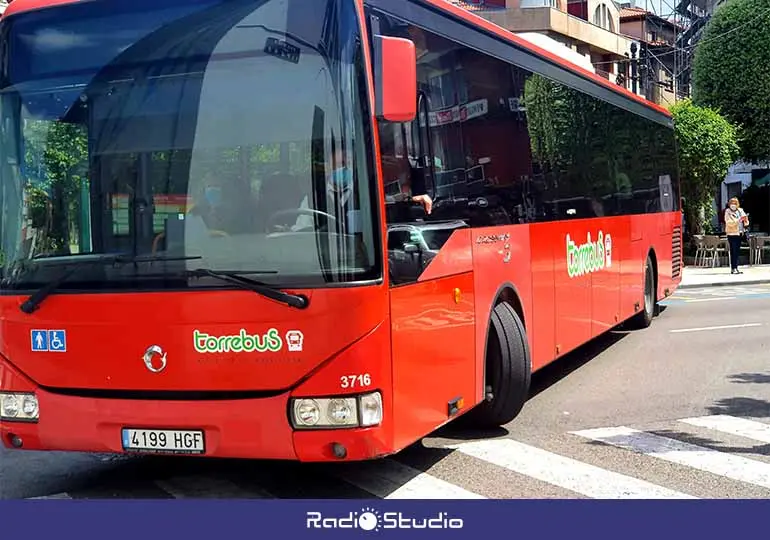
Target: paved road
x=679 y=410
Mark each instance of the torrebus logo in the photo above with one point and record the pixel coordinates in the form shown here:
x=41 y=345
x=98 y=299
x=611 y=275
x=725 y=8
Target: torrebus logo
x=270 y=341
x=589 y=257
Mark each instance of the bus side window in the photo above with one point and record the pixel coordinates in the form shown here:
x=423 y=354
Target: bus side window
x=396 y=168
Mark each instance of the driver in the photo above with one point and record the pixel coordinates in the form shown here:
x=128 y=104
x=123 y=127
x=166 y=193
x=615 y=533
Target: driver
x=339 y=191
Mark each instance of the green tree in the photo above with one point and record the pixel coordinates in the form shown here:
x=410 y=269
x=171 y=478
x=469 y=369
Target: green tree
x=707 y=147
x=731 y=74
x=56 y=162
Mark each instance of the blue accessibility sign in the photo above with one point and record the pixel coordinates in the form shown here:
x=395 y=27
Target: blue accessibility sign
x=49 y=340
x=57 y=340
x=39 y=340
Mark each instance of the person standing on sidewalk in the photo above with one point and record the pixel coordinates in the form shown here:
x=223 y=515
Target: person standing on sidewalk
x=736 y=222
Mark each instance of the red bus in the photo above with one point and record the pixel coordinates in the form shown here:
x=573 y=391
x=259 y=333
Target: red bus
x=210 y=241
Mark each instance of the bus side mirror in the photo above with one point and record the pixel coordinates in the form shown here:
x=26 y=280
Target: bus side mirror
x=395 y=79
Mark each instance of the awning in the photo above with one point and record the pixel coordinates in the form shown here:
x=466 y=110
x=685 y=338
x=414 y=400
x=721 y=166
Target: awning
x=558 y=48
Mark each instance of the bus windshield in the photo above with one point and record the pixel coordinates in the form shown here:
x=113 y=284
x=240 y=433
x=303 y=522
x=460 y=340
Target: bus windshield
x=229 y=135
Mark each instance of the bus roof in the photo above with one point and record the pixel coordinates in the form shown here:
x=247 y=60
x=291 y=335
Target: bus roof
x=18 y=6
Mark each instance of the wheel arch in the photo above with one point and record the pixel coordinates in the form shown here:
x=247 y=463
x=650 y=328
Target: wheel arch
x=507 y=292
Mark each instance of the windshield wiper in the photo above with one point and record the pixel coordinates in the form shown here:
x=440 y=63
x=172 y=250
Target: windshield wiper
x=292 y=300
x=33 y=302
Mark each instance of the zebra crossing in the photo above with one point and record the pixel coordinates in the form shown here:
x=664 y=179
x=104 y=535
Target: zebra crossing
x=717 y=456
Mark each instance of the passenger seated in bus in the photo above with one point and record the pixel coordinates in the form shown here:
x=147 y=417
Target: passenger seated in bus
x=220 y=207
x=225 y=204
x=201 y=219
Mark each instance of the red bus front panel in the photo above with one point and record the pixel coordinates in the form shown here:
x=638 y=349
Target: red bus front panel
x=215 y=341
x=433 y=351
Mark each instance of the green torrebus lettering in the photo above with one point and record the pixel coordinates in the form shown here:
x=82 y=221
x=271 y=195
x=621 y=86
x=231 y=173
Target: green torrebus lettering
x=242 y=342
x=588 y=257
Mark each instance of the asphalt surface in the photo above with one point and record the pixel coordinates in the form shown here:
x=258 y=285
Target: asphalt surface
x=679 y=410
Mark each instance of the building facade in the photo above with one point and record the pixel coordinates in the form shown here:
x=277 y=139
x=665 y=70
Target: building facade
x=657 y=52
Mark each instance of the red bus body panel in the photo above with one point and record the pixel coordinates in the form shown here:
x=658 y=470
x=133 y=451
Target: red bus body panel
x=431 y=339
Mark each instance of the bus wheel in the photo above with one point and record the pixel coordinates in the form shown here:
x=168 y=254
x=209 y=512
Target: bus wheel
x=643 y=319
x=508 y=369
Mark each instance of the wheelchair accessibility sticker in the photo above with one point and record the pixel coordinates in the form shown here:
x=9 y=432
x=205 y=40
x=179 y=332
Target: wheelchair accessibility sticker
x=49 y=340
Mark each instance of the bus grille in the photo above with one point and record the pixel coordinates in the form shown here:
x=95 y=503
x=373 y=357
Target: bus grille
x=676 y=252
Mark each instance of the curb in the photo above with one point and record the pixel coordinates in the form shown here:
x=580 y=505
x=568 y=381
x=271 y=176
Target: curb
x=723 y=284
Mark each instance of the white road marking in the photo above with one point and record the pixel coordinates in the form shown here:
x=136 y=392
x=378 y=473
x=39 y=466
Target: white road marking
x=207 y=487
x=704 y=459
x=711 y=299
x=741 y=427
x=703 y=328
x=564 y=472
x=54 y=496
x=388 y=479
x=723 y=291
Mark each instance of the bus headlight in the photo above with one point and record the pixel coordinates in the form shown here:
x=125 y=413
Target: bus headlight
x=345 y=411
x=341 y=411
x=19 y=407
x=307 y=412
x=371 y=409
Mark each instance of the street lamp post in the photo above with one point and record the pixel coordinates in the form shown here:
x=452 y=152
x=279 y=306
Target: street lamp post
x=633 y=67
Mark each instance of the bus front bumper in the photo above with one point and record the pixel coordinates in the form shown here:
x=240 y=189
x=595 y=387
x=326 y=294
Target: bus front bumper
x=244 y=428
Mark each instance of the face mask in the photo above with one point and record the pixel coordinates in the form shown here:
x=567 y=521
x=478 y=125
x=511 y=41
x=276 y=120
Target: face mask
x=733 y=207
x=342 y=178
x=213 y=195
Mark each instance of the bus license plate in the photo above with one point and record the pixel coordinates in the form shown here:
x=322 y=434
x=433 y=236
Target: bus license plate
x=167 y=441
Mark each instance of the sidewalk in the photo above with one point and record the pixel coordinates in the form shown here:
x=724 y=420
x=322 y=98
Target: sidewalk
x=693 y=276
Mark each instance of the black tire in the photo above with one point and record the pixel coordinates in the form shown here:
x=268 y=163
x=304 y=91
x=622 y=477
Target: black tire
x=508 y=370
x=643 y=319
